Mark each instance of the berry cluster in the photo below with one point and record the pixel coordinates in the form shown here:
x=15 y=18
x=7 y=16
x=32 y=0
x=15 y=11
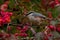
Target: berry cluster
x=22 y=32
x=4 y=35
x=4 y=15
x=57 y=28
x=52 y=4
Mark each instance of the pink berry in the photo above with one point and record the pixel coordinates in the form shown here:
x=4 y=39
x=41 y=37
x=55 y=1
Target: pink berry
x=45 y=38
x=7 y=19
x=3 y=13
x=25 y=28
x=23 y=35
x=50 y=14
x=18 y=28
x=4 y=7
x=58 y=29
x=52 y=4
x=6 y=2
x=22 y=31
x=8 y=35
x=1 y=35
x=10 y=13
x=50 y=35
x=1 y=20
x=16 y=34
x=52 y=27
x=56 y=1
x=9 y=28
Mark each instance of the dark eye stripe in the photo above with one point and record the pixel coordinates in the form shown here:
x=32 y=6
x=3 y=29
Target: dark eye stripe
x=29 y=13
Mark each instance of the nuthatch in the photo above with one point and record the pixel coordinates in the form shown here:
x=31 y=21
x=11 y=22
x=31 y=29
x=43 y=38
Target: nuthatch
x=34 y=16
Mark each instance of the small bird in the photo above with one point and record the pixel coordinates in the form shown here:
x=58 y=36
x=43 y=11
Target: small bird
x=32 y=13
x=35 y=16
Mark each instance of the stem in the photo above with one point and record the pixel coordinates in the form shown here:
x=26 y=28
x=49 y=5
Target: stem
x=33 y=31
x=16 y=2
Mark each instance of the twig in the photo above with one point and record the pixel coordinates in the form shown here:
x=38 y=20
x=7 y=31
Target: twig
x=16 y=2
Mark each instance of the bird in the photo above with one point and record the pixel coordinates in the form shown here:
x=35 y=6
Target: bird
x=35 y=16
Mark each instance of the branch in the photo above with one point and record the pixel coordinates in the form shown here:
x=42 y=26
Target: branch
x=33 y=31
x=16 y=2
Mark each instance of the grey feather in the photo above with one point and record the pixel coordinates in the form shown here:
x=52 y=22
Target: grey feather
x=37 y=14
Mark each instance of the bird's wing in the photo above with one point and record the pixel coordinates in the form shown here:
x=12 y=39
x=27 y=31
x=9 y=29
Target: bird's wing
x=38 y=14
